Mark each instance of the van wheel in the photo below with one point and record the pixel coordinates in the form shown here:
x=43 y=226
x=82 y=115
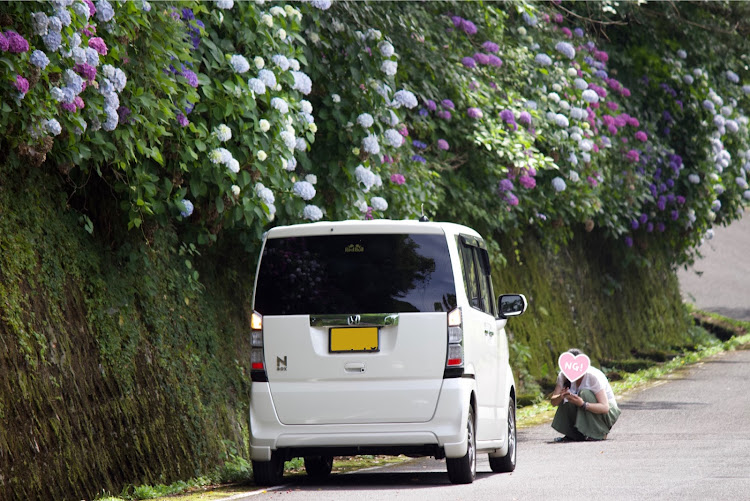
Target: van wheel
x=507 y=463
x=463 y=470
x=269 y=473
x=318 y=466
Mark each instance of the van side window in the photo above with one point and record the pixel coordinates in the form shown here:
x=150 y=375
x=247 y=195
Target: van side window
x=477 y=280
x=471 y=281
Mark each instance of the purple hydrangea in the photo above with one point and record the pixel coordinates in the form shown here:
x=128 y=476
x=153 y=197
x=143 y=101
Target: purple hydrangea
x=508 y=117
x=3 y=43
x=419 y=158
x=468 y=27
x=87 y=71
x=641 y=136
x=490 y=46
x=445 y=115
x=481 y=58
x=442 y=144
x=430 y=104
x=419 y=144
x=190 y=76
x=448 y=104
x=21 y=84
x=629 y=241
x=525 y=117
x=527 y=181
x=468 y=62
x=182 y=120
x=505 y=185
x=474 y=113
x=16 y=43
x=494 y=61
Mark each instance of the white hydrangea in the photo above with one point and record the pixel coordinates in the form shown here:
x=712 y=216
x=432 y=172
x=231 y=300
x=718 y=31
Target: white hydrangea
x=370 y=144
x=235 y=190
x=280 y=104
x=558 y=184
x=264 y=125
x=239 y=63
x=223 y=133
x=389 y=67
x=265 y=194
x=311 y=178
x=379 y=203
x=306 y=106
x=281 y=61
x=386 y=49
x=393 y=138
x=365 y=177
x=404 y=98
x=365 y=120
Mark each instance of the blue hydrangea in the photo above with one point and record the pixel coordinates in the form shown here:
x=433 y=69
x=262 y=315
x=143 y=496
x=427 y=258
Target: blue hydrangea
x=239 y=63
x=304 y=190
x=566 y=49
x=580 y=84
x=55 y=24
x=543 y=59
x=590 y=96
x=52 y=126
x=39 y=59
x=300 y=144
x=732 y=76
x=312 y=213
x=104 y=11
x=291 y=164
x=57 y=94
x=188 y=208
x=52 y=40
x=39 y=23
x=267 y=77
x=257 y=86
x=64 y=16
x=558 y=184
x=529 y=19
x=302 y=82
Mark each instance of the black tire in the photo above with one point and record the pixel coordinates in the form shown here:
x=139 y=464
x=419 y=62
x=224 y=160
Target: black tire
x=507 y=463
x=269 y=473
x=463 y=470
x=318 y=466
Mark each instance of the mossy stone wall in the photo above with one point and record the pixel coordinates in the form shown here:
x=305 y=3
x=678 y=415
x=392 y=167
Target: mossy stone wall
x=588 y=295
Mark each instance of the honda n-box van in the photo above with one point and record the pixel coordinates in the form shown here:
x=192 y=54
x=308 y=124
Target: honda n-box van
x=379 y=337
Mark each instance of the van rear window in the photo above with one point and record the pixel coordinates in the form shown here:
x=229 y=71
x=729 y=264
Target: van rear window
x=355 y=274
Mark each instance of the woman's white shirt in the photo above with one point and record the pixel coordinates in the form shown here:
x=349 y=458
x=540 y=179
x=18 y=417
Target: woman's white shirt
x=593 y=380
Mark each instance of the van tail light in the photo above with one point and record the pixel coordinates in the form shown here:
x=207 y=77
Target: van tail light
x=454 y=364
x=257 y=364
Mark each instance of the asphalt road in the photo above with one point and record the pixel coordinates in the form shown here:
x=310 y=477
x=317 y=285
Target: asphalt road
x=684 y=438
x=724 y=283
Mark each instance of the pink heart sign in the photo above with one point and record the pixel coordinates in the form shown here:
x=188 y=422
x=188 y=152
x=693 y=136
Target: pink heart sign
x=573 y=366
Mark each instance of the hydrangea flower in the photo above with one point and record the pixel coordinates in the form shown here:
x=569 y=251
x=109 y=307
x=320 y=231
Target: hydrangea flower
x=182 y=120
x=304 y=189
x=302 y=82
x=280 y=104
x=558 y=184
x=469 y=62
x=239 y=63
x=21 y=84
x=527 y=181
x=256 y=86
x=590 y=96
x=386 y=49
x=312 y=212
x=474 y=113
x=561 y=120
x=268 y=78
x=188 y=210
x=442 y=144
x=365 y=120
x=370 y=144
x=398 y=179
x=389 y=67
x=98 y=45
x=366 y=177
x=490 y=47
x=393 y=138
x=104 y=11
x=223 y=133
x=732 y=76
x=379 y=203
x=404 y=98
x=566 y=49
x=543 y=59
x=225 y=4
x=641 y=136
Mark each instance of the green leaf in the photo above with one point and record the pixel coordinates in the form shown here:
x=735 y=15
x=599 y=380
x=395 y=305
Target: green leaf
x=220 y=204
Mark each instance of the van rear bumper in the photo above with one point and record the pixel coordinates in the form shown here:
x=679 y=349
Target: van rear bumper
x=444 y=433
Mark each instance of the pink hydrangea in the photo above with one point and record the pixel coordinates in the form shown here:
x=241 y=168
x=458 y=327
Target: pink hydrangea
x=632 y=155
x=98 y=45
x=641 y=136
x=3 y=43
x=443 y=144
x=22 y=85
x=16 y=43
x=398 y=179
x=527 y=182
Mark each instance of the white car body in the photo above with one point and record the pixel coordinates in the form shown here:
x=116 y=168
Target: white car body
x=401 y=395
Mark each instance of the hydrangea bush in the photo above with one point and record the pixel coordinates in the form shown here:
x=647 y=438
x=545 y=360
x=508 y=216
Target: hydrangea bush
x=233 y=116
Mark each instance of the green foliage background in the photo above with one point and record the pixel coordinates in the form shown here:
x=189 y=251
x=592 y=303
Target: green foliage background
x=123 y=315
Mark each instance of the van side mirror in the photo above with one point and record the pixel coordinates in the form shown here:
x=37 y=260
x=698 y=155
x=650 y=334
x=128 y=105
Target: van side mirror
x=511 y=305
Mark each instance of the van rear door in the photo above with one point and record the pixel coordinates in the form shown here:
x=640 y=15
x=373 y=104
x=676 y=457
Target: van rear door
x=355 y=326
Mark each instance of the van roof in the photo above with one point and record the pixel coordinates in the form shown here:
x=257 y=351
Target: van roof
x=382 y=226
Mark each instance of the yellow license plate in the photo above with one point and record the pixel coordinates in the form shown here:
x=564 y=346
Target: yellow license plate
x=354 y=339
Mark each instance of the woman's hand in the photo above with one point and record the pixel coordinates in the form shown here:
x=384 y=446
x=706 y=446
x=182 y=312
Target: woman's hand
x=574 y=399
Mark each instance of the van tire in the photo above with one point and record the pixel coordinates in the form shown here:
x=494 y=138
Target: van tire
x=463 y=470
x=318 y=466
x=507 y=463
x=269 y=473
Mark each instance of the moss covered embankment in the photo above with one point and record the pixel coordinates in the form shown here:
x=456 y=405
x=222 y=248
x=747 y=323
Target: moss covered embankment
x=119 y=365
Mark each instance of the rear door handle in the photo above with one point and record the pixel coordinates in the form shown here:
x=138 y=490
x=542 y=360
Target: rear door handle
x=355 y=367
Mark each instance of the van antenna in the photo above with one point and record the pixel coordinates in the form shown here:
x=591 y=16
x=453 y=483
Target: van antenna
x=423 y=218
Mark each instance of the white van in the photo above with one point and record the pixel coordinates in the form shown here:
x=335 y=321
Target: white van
x=379 y=337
